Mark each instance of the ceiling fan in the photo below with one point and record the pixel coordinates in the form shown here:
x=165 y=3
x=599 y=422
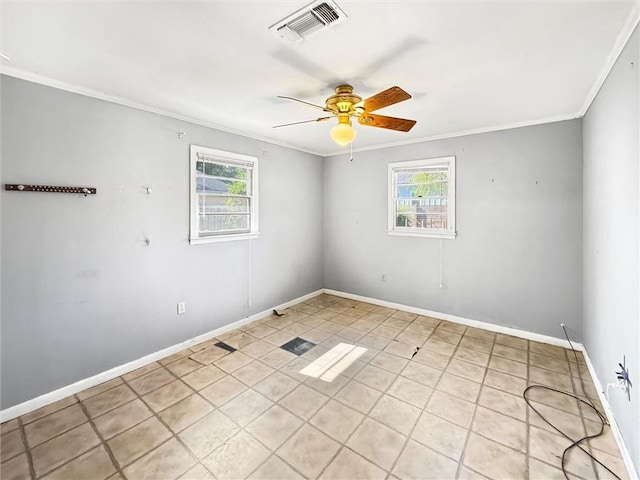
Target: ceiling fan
x=345 y=104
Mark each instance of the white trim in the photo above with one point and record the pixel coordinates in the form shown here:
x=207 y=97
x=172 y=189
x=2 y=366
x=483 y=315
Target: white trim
x=616 y=51
x=431 y=234
x=229 y=158
x=223 y=238
x=222 y=157
x=536 y=337
x=87 y=92
x=461 y=133
x=615 y=430
x=451 y=206
x=51 y=397
x=44 y=400
x=516 y=333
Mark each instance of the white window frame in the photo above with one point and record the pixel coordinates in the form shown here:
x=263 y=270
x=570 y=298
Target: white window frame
x=231 y=159
x=448 y=233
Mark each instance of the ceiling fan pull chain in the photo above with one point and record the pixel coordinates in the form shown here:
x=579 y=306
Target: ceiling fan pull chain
x=351 y=146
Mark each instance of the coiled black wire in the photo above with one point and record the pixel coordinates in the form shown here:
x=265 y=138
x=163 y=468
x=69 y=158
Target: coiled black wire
x=589 y=403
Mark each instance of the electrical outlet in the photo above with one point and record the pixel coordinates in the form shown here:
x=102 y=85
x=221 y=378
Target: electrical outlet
x=182 y=308
x=383 y=277
x=624 y=381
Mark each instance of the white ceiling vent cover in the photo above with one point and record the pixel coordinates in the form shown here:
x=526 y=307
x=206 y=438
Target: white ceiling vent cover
x=312 y=18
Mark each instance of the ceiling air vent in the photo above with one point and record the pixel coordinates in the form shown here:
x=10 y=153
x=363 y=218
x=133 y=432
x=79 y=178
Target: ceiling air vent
x=302 y=23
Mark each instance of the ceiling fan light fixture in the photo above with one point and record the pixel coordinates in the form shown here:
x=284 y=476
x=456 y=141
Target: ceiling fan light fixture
x=344 y=104
x=343 y=133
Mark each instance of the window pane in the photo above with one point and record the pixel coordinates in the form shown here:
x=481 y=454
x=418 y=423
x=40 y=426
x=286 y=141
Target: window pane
x=211 y=224
x=209 y=204
x=220 y=186
x=423 y=197
x=222 y=179
x=219 y=170
x=436 y=170
x=223 y=201
x=421 y=216
x=423 y=182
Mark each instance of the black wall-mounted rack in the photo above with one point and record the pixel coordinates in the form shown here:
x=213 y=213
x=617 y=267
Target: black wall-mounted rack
x=21 y=187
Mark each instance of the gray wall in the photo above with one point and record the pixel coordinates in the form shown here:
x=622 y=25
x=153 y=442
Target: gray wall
x=81 y=293
x=517 y=259
x=611 y=288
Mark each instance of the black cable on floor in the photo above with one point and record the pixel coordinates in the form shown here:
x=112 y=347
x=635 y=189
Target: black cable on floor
x=589 y=403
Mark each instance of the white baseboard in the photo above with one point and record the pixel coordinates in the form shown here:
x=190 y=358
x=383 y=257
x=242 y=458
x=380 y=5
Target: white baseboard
x=51 y=397
x=516 y=333
x=560 y=342
x=59 y=394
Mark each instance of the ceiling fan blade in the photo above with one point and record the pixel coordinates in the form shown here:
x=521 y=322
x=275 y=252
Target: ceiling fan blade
x=385 y=98
x=305 y=103
x=321 y=119
x=381 y=121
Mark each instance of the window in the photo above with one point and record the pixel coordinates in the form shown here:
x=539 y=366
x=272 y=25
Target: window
x=224 y=196
x=422 y=198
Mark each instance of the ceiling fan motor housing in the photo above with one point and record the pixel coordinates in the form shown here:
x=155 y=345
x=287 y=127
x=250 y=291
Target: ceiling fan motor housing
x=343 y=101
x=344 y=104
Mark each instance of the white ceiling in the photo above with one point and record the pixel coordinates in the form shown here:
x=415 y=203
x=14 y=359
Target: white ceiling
x=470 y=66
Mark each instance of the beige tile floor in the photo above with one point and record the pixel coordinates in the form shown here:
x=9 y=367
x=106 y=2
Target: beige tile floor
x=455 y=410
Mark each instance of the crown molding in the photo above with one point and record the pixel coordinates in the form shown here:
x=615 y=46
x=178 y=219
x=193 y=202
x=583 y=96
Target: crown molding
x=87 y=92
x=50 y=82
x=462 y=133
x=621 y=41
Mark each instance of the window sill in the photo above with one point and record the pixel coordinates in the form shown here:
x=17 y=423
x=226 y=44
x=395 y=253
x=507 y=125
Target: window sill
x=223 y=238
x=445 y=235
